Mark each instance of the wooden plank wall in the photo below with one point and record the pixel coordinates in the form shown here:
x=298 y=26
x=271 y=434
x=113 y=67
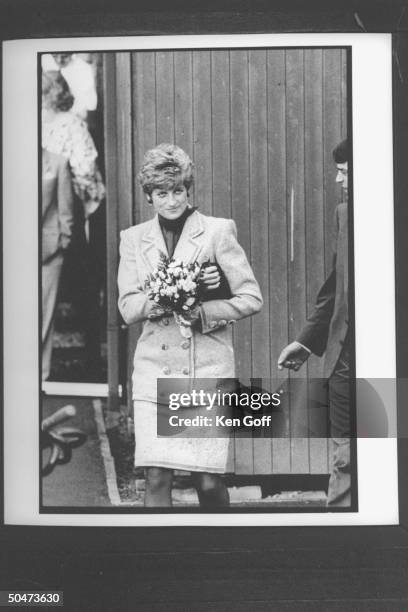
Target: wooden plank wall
x=260 y=125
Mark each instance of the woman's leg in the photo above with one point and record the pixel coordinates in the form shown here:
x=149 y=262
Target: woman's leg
x=212 y=492
x=158 y=487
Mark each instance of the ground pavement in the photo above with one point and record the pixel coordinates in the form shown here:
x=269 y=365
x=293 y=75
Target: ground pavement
x=82 y=482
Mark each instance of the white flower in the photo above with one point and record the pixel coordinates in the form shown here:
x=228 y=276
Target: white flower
x=176 y=263
x=188 y=284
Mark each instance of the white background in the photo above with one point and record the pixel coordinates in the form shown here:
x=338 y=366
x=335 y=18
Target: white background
x=374 y=271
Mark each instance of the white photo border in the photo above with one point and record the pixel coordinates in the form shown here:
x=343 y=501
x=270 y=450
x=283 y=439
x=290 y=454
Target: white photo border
x=373 y=260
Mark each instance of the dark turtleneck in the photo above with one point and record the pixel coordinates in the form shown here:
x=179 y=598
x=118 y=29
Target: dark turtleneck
x=172 y=228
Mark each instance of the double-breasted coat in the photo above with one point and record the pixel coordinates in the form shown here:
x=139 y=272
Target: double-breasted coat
x=161 y=350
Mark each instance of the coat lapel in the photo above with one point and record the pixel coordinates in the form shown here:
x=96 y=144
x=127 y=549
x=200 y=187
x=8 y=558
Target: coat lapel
x=188 y=247
x=153 y=243
x=191 y=240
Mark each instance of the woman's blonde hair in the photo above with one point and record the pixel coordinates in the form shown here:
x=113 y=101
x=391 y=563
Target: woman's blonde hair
x=165 y=166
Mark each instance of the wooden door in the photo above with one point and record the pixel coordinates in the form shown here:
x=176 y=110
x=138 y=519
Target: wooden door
x=260 y=125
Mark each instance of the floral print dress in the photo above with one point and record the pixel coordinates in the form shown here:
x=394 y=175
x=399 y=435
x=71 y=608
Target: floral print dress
x=68 y=135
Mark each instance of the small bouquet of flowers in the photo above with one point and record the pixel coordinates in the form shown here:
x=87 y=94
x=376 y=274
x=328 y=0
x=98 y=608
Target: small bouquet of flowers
x=175 y=287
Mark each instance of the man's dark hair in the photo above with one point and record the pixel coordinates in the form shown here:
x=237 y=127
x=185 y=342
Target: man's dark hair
x=341 y=152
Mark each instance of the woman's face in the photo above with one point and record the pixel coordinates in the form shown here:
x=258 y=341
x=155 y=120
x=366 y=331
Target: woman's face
x=170 y=203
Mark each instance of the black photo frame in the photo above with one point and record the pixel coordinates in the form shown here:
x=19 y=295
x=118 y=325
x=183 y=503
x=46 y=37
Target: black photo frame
x=250 y=565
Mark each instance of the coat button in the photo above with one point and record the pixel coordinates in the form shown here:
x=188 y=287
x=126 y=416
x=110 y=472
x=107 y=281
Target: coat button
x=213 y=324
x=185 y=371
x=223 y=322
x=166 y=370
x=185 y=344
x=165 y=347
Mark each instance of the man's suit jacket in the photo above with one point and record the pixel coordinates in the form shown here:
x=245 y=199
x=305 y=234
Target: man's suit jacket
x=57 y=205
x=326 y=329
x=161 y=350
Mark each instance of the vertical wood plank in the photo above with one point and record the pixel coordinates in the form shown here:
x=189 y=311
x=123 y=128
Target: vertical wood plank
x=164 y=97
x=343 y=96
x=244 y=454
x=258 y=207
x=259 y=212
x=278 y=253
x=221 y=153
x=314 y=179
x=124 y=136
x=314 y=242
x=183 y=107
x=124 y=156
x=119 y=190
x=240 y=213
x=240 y=187
x=331 y=137
x=111 y=149
x=296 y=242
x=202 y=121
x=221 y=133
x=144 y=122
x=230 y=469
x=144 y=138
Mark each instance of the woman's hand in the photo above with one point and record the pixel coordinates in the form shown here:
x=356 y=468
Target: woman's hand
x=190 y=320
x=156 y=311
x=210 y=278
x=194 y=316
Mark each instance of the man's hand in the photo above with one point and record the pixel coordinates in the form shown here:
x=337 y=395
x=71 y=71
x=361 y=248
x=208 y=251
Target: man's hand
x=293 y=356
x=210 y=278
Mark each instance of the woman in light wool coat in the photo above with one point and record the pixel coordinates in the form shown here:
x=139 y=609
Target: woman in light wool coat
x=161 y=352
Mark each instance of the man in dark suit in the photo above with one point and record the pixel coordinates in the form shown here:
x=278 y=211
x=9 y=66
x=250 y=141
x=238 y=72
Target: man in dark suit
x=57 y=221
x=327 y=331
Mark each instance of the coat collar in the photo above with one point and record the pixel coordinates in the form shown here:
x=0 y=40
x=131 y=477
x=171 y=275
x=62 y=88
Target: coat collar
x=188 y=246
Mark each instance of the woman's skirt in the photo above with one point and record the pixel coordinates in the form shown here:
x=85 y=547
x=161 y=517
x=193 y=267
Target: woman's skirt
x=180 y=452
